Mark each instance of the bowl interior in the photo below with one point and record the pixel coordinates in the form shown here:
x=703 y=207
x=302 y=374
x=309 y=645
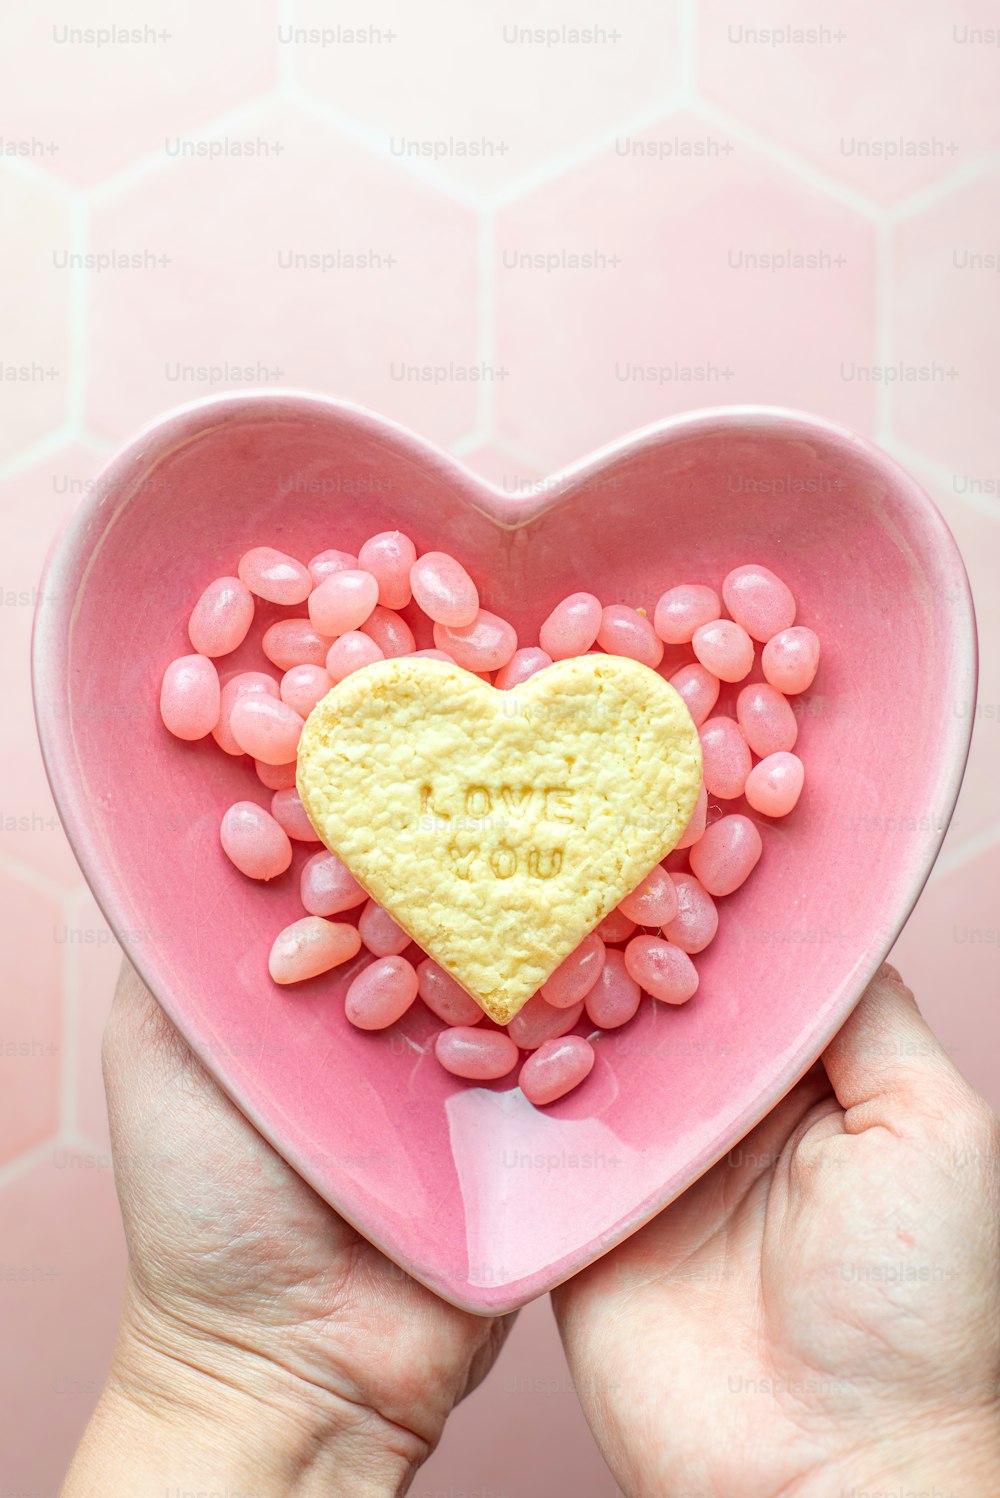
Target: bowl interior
x=485 y=1198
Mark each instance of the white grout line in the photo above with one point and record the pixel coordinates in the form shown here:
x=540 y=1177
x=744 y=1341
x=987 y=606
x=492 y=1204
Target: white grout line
x=21 y=1165
x=102 y=446
x=518 y=453
x=936 y=192
x=806 y=171
x=956 y=858
x=36 y=452
x=154 y=162
x=284 y=57
x=469 y=442
x=882 y=327
x=687 y=27
x=79 y=314
x=70 y=1020
x=96 y=1148
x=486 y=258
x=582 y=153
x=935 y=472
x=378 y=144
x=23 y=873
x=38 y=176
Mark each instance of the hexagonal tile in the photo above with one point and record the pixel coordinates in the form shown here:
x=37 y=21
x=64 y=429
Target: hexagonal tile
x=978 y=537
x=60 y=1290
x=32 y=507
x=676 y=270
x=30 y=1019
x=315 y=266
x=480 y=93
x=34 y=306
x=868 y=93
x=89 y=91
x=97 y=960
x=950 y=955
x=510 y=475
x=945 y=324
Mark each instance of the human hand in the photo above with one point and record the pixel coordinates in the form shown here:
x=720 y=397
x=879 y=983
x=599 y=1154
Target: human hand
x=820 y=1313
x=265 y=1346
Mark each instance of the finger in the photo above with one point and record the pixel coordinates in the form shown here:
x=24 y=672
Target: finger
x=489 y=1349
x=172 y=1126
x=885 y=1062
x=148 y=1066
x=730 y=1196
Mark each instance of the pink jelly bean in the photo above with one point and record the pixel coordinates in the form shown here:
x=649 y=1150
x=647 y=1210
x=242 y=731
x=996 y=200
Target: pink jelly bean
x=758 y=600
x=444 y=997
x=311 y=946
x=190 y=697
x=266 y=727
x=790 y=659
x=254 y=841
x=615 y=996
x=478 y=1055
x=275 y=777
x=725 y=758
x=327 y=886
x=381 y=993
x=726 y=853
x=487 y=644
x=766 y=718
x=775 y=784
x=555 y=1069
x=696 y=826
x=344 y=601
x=390 y=631
x=380 y=933
x=303 y=686
x=662 y=969
x=350 y=653
x=444 y=590
x=287 y=809
x=615 y=926
x=724 y=648
x=576 y=975
x=294 y=642
x=222 y=617
x=522 y=665
x=538 y=1021
x=389 y=557
x=653 y=901
x=684 y=609
x=243 y=684
x=624 y=631
x=697 y=918
x=325 y=563
x=274 y=575
x=572 y=626
x=699 y=688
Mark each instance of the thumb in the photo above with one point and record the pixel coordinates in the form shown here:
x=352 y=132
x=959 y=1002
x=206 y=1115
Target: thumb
x=886 y=1061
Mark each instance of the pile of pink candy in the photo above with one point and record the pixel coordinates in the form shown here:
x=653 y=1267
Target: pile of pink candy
x=352 y=619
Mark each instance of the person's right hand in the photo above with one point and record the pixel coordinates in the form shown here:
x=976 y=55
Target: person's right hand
x=820 y=1313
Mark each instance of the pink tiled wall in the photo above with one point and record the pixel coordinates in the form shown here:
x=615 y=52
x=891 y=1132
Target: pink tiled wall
x=653 y=163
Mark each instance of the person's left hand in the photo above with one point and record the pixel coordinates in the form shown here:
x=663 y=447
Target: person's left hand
x=263 y=1340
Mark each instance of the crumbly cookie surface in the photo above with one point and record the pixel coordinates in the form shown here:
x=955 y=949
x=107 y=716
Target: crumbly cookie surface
x=497 y=827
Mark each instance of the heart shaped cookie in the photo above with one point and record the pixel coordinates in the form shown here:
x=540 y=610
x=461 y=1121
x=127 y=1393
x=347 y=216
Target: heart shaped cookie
x=500 y=827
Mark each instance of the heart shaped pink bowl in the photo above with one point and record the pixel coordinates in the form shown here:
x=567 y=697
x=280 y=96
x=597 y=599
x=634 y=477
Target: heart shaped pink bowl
x=484 y=1198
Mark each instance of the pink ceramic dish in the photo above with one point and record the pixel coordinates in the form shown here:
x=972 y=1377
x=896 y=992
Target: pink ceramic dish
x=484 y=1198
